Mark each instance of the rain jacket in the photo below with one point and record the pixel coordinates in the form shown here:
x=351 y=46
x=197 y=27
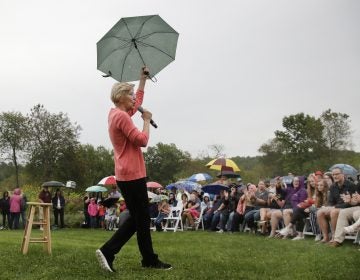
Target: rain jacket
x=15 y=201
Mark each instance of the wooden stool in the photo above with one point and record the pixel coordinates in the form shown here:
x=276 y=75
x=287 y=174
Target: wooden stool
x=46 y=238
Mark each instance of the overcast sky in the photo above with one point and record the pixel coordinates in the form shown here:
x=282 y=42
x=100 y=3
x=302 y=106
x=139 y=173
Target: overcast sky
x=240 y=67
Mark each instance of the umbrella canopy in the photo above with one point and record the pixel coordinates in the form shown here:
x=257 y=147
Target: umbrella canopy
x=134 y=42
x=188 y=186
x=346 y=168
x=110 y=201
x=198 y=177
x=96 y=189
x=159 y=198
x=227 y=172
x=153 y=185
x=151 y=194
x=53 y=184
x=214 y=188
x=219 y=163
x=109 y=180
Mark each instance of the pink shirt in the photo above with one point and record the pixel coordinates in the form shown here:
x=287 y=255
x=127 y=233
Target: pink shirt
x=92 y=209
x=127 y=141
x=15 y=202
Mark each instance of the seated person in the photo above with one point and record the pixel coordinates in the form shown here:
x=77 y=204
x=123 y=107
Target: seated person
x=209 y=213
x=164 y=211
x=191 y=211
x=338 y=191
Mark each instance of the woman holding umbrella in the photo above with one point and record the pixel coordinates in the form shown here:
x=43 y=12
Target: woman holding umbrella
x=130 y=174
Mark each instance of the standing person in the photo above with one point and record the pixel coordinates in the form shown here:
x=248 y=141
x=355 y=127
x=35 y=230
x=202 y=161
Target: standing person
x=5 y=209
x=130 y=174
x=15 y=205
x=44 y=197
x=93 y=212
x=58 y=202
x=86 y=214
x=23 y=208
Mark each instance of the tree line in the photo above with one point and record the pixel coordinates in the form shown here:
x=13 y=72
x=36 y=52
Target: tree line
x=43 y=146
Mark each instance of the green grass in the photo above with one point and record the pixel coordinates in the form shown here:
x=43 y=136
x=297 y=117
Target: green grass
x=194 y=255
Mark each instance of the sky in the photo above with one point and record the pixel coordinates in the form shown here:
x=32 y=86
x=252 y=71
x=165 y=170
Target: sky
x=240 y=68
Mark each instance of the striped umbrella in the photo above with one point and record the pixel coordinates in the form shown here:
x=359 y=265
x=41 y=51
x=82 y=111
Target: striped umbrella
x=153 y=185
x=109 y=180
x=219 y=163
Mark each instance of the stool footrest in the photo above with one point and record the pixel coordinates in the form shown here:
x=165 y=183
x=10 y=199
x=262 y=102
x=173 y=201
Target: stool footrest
x=39 y=223
x=38 y=241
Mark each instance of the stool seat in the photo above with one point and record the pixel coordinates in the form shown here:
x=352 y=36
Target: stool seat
x=45 y=222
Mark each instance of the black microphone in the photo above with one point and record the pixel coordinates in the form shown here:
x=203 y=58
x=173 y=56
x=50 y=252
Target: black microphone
x=141 y=110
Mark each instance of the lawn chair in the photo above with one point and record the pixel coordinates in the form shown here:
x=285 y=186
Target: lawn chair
x=199 y=221
x=307 y=230
x=173 y=221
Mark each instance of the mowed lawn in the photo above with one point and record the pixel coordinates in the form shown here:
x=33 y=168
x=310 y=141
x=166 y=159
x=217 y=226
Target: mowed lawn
x=194 y=255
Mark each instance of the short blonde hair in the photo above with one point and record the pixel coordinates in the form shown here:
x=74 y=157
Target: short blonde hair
x=120 y=89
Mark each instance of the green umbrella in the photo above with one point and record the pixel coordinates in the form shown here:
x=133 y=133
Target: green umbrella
x=96 y=189
x=135 y=42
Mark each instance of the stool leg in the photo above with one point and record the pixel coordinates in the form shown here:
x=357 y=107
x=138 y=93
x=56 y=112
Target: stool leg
x=27 y=231
x=47 y=232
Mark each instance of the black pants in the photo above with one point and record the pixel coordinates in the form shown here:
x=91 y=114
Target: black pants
x=138 y=220
x=6 y=215
x=57 y=213
x=298 y=218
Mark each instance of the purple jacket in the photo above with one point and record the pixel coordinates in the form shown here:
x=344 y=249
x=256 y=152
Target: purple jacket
x=295 y=196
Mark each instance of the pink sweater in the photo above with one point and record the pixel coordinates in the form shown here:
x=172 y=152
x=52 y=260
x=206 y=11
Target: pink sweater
x=92 y=209
x=127 y=141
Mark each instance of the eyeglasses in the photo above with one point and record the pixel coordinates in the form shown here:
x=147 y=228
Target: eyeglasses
x=336 y=174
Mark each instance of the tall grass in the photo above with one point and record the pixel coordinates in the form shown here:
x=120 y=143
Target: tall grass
x=194 y=255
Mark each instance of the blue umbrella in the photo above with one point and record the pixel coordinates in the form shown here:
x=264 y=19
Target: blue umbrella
x=214 y=188
x=188 y=186
x=199 y=177
x=346 y=168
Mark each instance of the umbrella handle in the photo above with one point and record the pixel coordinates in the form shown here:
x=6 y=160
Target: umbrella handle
x=107 y=75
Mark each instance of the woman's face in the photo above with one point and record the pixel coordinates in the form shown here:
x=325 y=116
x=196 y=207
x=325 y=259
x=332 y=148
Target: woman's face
x=312 y=182
x=296 y=182
x=321 y=186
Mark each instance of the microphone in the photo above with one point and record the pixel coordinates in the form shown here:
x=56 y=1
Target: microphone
x=141 y=110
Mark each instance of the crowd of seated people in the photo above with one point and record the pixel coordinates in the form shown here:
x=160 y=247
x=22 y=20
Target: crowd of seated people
x=328 y=202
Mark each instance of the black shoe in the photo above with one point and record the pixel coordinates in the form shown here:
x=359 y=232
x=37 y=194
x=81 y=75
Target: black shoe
x=104 y=261
x=158 y=265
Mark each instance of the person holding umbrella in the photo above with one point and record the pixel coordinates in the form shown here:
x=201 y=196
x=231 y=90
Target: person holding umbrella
x=58 y=202
x=130 y=173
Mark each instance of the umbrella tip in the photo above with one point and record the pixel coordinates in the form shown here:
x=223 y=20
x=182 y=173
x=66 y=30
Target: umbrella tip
x=107 y=75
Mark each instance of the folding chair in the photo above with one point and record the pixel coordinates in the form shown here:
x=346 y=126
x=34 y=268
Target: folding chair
x=199 y=221
x=173 y=221
x=307 y=230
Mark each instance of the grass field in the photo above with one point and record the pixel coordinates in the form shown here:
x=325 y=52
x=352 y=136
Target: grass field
x=194 y=255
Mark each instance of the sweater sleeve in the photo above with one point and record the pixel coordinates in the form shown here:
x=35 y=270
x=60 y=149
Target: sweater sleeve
x=135 y=136
x=138 y=101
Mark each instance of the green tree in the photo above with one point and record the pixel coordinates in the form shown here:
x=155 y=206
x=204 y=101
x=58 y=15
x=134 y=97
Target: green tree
x=91 y=165
x=164 y=161
x=301 y=143
x=13 y=136
x=337 y=131
x=51 y=136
